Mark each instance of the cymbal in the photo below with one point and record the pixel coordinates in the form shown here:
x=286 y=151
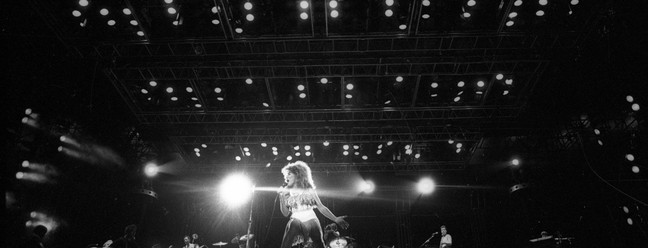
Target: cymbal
x=219 y=244
x=246 y=237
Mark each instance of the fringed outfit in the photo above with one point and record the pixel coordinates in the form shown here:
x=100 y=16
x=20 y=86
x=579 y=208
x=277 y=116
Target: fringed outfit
x=303 y=226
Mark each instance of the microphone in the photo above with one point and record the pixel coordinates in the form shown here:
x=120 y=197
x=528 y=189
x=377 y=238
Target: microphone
x=284 y=184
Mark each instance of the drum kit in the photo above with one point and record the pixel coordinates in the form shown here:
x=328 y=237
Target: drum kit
x=236 y=240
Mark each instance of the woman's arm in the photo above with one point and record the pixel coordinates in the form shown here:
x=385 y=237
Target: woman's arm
x=283 y=194
x=328 y=214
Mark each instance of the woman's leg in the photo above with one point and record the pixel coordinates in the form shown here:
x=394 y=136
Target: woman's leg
x=293 y=229
x=314 y=231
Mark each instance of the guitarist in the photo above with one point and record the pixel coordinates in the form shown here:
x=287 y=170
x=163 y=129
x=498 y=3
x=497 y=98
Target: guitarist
x=446 y=239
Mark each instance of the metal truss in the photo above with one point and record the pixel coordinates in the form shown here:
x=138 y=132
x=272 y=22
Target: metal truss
x=484 y=44
x=375 y=69
x=402 y=167
x=334 y=115
x=304 y=135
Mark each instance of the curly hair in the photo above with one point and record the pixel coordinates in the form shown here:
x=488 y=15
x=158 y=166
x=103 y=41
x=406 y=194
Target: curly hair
x=303 y=176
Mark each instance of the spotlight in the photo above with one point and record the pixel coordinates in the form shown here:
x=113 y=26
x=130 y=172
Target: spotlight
x=333 y=4
x=150 y=170
x=434 y=85
x=238 y=158
x=303 y=4
x=542 y=2
x=348 y=96
x=218 y=90
x=76 y=13
x=510 y=23
x=389 y=13
x=364 y=157
x=215 y=22
x=499 y=76
x=296 y=148
x=349 y=86
x=103 y=12
x=307 y=147
x=629 y=98
x=345 y=147
x=515 y=162
x=127 y=11
x=214 y=9
x=204 y=146
x=307 y=153
x=426 y=3
x=173 y=98
x=248 y=81
x=140 y=33
x=480 y=83
x=461 y=84
x=574 y=2
x=264 y=144
x=540 y=13
x=389 y=2
x=517 y=3
x=236 y=190
x=83 y=3
x=325 y=143
x=220 y=98
x=466 y=15
x=635 y=107
x=345 y=153
x=303 y=16
x=172 y=10
x=471 y=3
x=238 y=30
x=323 y=80
x=168 y=1
x=513 y=15
x=297 y=154
x=335 y=13
x=301 y=87
x=247 y=5
x=302 y=95
x=630 y=157
x=366 y=186
x=425 y=186
x=425 y=16
x=635 y=169
x=402 y=27
x=629 y=220
x=289 y=158
x=249 y=17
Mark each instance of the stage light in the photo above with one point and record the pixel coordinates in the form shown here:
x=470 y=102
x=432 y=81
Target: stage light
x=480 y=83
x=307 y=147
x=515 y=162
x=574 y=2
x=459 y=145
x=349 y=86
x=172 y=10
x=150 y=170
x=20 y=175
x=268 y=164
x=389 y=13
x=247 y=154
x=387 y=102
x=626 y=210
x=218 y=90
x=220 y=98
x=323 y=80
x=307 y=153
x=542 y=2
x=399 y=79
x=302 y=95
x=458 y=150
x=466 y=14
x=471 y=3
x=289 y=158
x=345 y=153
x=512 y=14
x=635 y=107
x=499 y=76
x=366 y=186
x=356 y=147
x=275 y=153
x=378 y=152
x=506 y=92
x=303 y=16
x=238 y=30
x=174 y=98
x=461 y=84
x=364 y=157
x=168 y=1
x=389 y=143
x=425 y=16
x=246 y=149
x=389 y=2
x=104 y=12
x=296 y=148
x=509 y=81
x=189 y=89
x=247 y=5
x=434 y=85
x=600 y=142
x=301 y=87
x=265 y=104
x=196 y=150
x=426 y=3
x=509 y=23
x=215 y=21
x=457 y=99
x=175 y=23
x=214 y=9
x=326 y=143
x=629 y=220
x=76 y=13
x=540 y=13
x=25 y=164
x=348 y=96
x=297 y=154
x=333 y=4
x=249 y=17
x=236 y=189
x=274 y=148
x=630 y=157
x=335 y=13
x=126 y=11
x=203 y=146
x=517 y=3
x=402 y=27
x=425 y=186
x=345 y=147
x=629 y=98
x=635 y=169
x=140 y=33
x=83 y=3
x=303 y=4
x=418 y=155
x=408 y=151
x=264 y=144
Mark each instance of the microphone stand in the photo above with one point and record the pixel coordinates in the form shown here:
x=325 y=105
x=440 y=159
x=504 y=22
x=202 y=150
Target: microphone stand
x=428 y=240
x=247 y=241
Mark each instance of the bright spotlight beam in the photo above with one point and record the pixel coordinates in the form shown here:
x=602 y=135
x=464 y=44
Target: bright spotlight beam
x=150 y=170
x=426 y=186
x=366 y=186
x=236 y=190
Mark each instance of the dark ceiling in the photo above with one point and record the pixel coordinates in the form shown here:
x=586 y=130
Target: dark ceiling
x=425 y=79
